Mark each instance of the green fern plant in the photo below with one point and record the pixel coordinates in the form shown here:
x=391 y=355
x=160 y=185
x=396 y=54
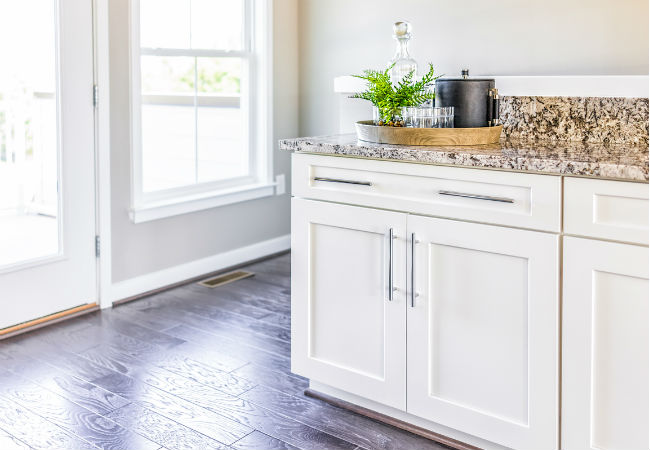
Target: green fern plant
x=390 y=98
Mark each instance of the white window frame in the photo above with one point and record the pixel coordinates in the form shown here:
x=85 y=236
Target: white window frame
x=257 y=101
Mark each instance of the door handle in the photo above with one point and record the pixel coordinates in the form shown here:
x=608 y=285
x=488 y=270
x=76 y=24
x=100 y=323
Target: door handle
x=391 y=236
x=413 y=294
x=338 y=180
x=477 y=196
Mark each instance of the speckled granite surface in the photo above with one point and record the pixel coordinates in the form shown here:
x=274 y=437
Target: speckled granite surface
x=585 y=119
x=575 y=158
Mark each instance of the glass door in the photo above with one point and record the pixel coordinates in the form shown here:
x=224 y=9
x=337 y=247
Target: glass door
x=47 y=184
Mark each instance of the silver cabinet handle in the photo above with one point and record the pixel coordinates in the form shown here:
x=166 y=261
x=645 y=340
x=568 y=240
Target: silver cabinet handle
x=391 y=236
x=413 y=241
x=477 y=197
x=337 y=180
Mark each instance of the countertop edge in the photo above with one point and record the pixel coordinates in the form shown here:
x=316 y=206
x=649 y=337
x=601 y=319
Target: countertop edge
x=454 y=157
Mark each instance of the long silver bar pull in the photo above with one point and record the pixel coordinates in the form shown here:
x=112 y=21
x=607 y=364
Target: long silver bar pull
x=338 y=180
x=391 y=236
x=413 y=242
x=477 y=196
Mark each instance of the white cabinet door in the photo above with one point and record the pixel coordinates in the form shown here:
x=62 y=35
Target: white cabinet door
x=483 y=331
x=345 y=330
x=604 y=346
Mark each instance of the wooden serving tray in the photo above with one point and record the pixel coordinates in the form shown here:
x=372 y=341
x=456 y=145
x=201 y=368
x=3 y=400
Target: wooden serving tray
x=367 y=131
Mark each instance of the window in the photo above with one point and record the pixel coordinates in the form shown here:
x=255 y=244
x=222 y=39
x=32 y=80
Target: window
x=200 y=104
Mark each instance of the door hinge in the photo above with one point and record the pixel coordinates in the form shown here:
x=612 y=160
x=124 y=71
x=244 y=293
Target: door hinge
x=97 y=247
x=95 y=95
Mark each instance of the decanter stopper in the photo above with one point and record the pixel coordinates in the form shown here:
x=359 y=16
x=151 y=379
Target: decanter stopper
x=403 y=63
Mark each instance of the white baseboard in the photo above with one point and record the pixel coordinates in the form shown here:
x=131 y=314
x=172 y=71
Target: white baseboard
x=155 y=280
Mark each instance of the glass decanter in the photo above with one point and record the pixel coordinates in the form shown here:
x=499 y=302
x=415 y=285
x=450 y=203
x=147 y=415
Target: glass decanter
x=404 y=64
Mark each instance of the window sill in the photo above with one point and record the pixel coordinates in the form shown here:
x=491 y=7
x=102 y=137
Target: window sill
x=187 y=204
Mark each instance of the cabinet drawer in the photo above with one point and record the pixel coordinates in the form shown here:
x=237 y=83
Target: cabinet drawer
x=497 y=197
x=606 y=209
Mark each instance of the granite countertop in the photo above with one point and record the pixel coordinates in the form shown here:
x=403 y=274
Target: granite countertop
x=573 y=158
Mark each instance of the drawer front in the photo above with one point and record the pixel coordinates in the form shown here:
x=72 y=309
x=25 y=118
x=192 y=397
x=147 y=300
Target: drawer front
x=606 y=209
x=497 y=197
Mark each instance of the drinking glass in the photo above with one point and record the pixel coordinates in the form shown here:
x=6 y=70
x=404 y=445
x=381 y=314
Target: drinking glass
x=443 y=117
x=424 y=117
x=449 y=114
x=409 y=114
x=375 y=115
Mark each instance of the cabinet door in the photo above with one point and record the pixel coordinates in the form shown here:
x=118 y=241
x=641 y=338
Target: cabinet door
x=483 y=331
x=604 y=346
x=345 y=330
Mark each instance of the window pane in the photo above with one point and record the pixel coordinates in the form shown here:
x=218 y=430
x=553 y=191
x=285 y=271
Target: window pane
x=165 y=23
x=168 y=118
x=217 y=24
x=198 y=24
x=219 y=76
x=29 y=225
x=167 y=146
x=167 y=75
x=222 y=153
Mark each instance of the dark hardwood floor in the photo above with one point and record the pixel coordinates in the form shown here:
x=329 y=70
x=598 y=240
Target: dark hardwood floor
x=189 y=368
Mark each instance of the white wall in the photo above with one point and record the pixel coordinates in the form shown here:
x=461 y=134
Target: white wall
x=148 y=247
x=499 y=37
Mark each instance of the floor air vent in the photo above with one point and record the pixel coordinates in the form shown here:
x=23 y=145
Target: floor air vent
x=225 y=278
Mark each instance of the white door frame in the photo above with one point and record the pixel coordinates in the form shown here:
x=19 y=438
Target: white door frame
x=103 y=150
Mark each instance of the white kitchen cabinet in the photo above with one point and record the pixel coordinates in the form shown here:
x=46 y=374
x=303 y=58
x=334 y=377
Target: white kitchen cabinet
x=605 y=209
x=482 y=330
x=469 y=345
x=605 y=346
x=347 y=329
x=503 y=198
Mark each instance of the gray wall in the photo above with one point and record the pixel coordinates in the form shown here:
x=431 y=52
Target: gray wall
x=499 y=37
x=138 y=249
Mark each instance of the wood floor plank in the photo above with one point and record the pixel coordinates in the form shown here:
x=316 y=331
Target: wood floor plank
x=38 y=432
x=135 y=331
x=230 y=329
x=60 y=358
x=91 y=427
x=232 y=347
x=260 y=441
x=10 y=442
x=225 y=300
x=259 y=288
x=72 y=388
x=224 y=405
x=157 y=323
x=152 y=353
x=174 y=408
x=187 y=413
x=160 y=429
x=282 y=381
x=176 y=297
x=277 y=319
x=275 y=275
x=247 y=291
x=274 y=424
x=114 y=358
x=139 y=343
x=220 y=318
x=64 y=334
x=221 y=321
x=342 y=423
